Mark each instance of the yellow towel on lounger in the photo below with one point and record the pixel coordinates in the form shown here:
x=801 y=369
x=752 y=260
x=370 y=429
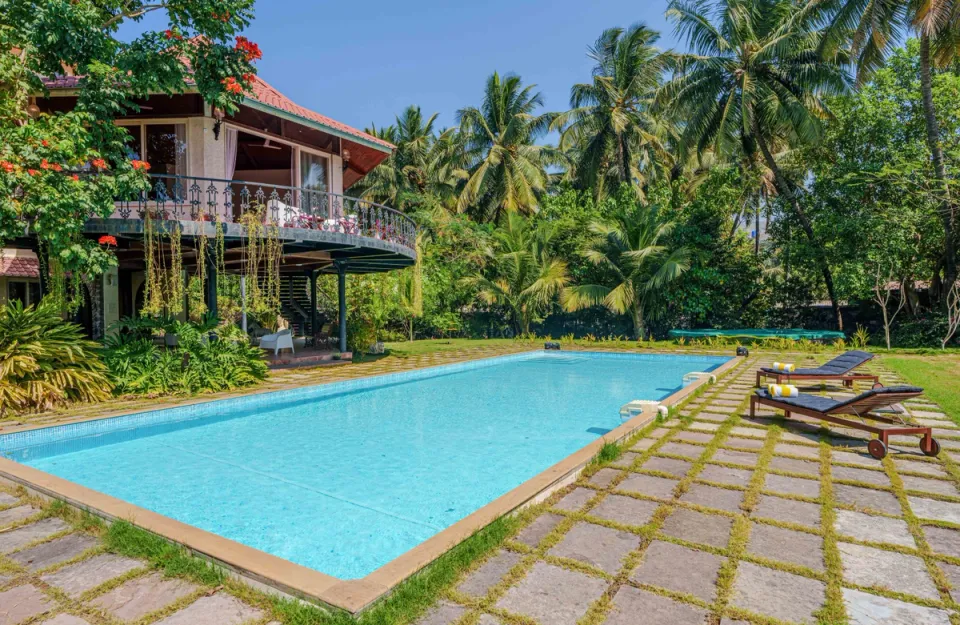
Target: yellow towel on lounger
x=782 y=390
x=783 y=367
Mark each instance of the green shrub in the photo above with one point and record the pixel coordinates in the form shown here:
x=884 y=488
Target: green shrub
x=45 y=361
x=204 y=361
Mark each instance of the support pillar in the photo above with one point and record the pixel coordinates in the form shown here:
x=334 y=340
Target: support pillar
x=342 y=299
x=210 y=296
x=312 y=275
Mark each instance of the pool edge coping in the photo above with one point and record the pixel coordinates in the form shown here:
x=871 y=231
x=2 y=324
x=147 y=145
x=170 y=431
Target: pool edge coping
x=353 y=596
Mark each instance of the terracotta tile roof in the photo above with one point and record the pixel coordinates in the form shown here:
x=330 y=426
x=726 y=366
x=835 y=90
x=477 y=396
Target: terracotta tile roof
x=19 y=267
x=264 y=93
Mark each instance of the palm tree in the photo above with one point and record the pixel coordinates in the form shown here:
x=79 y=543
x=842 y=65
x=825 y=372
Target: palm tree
x=423 y=163
x=522 y=276
x=410 y=288
x=873 y=29
x=632 y=247
x=507 y=170
x=755 y=80
x=617 y=135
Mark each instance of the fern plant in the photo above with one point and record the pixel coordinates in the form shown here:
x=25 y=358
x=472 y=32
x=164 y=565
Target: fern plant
x=45 y=361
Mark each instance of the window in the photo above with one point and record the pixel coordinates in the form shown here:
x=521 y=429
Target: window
x=166 y=147
x=313 y=171
x=26 y=292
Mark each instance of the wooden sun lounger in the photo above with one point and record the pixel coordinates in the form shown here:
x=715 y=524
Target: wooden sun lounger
x=860 y=408
x=840 y=368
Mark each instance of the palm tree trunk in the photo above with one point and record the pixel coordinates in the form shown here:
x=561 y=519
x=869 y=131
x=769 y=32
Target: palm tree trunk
x=625 y=161
x=756 y=228
x=947 y=209
x=638 y=330
x=786 y=190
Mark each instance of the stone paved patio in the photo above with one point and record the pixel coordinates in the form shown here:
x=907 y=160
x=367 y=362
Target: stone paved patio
x=710 y=518
x=716 y=518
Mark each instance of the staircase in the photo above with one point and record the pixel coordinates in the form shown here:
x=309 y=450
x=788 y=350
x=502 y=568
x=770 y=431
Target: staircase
x=295 y=303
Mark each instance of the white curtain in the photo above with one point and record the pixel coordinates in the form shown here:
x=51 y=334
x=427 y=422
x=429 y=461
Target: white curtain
x=180 y=146
x=230 y=148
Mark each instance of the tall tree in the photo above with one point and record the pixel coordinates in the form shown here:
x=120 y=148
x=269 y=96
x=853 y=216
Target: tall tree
x=632 y=247
x=41 y=154
x=507 y=169
x=423 y=165
x=755 y=78
x=521 y=275
x=618 y=136
x=873 y=28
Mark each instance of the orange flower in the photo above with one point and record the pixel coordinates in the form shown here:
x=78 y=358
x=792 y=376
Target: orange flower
x=75 y=177
x=140 y=165
x=249 y=78
x=44 y=164
x=231 y=85
x=32 y=172
x=108 y=240
x=7 y=166
x=99 y=163
x=45 y=143
x=56 y=167
x=250 y=50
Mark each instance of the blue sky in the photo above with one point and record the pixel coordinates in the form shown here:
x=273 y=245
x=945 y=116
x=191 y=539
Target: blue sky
x=363 y=62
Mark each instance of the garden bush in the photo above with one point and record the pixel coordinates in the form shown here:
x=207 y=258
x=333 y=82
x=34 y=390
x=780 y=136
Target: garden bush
x=204 y=360
x=45 y=361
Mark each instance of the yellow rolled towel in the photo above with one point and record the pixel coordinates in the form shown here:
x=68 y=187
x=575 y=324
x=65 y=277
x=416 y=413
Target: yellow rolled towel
x=783 y=367
x=782 y=390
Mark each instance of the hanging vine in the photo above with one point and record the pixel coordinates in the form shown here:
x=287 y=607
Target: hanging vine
x=175 y=286
x=153 y=279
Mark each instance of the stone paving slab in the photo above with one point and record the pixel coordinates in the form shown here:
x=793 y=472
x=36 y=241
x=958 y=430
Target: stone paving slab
x=551 y=594
x=219 y=609
x=596 y=545
x=141 y=596
x=788 y=511
x=792 y=486
x=7 y=499
x=877 y=478
x=532 y=534
x=15 y=515
x=443 y=613
x=872 y=528
x=672 y=466
x=777 y=594
x=803 y=451
x=777 y=543
x=575 y=499
x=625 y=510
x=934 y=509
x=604 y=477
x=649 y=485
x=489 y=574
x=866 y=609
x=726 y=475
x=867 y=566
x=867 y=499
x=66 y=619
x=22 y=536
x=943 y=540
x=693 y=452
x=713 y=497
x=926 y=485
x=78 y=578
x=743 y=458
x=792 y=465
x=22 y=603
x=55 y=551
x=679 y=569
x=698 y=527
x=630 y=602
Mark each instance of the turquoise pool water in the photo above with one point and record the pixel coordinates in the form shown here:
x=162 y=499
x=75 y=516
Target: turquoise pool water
x=345 y=477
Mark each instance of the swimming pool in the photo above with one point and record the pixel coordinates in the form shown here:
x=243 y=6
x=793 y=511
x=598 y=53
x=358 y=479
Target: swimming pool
x=342 y=478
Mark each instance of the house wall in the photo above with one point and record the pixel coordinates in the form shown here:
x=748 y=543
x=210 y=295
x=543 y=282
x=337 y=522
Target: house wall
x=111 y=298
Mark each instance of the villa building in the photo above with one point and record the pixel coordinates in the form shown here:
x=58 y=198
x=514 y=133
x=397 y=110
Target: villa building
x=272 y=155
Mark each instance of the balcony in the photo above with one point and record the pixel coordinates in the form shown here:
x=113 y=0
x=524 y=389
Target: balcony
x=301 y=214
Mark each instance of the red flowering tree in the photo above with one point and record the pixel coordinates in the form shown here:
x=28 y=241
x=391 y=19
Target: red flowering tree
x=40 y=154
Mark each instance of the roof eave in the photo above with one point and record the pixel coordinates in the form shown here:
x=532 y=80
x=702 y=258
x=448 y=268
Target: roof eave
x=256 y=104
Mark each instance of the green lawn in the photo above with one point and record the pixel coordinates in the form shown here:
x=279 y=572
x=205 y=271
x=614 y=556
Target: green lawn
x=426 y=346
x=938 y=375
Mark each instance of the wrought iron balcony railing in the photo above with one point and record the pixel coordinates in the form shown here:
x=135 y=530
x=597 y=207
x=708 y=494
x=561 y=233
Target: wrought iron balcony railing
x=187 y=198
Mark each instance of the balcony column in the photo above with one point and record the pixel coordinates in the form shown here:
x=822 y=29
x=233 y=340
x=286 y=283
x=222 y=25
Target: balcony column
x=342 y=300
x=210 y=296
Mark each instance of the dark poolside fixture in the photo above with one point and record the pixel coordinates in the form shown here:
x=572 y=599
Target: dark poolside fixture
x=743 y=351
x=552 y=345
x=218 y=115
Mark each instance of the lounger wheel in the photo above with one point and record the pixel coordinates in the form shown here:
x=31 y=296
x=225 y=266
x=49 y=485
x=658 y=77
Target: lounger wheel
x=877 y=449
x=875 y=386
x=934 y=448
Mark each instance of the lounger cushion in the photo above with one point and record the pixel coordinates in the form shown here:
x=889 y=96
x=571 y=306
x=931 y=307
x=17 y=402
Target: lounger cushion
x=844 y=363
x=823 y=404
